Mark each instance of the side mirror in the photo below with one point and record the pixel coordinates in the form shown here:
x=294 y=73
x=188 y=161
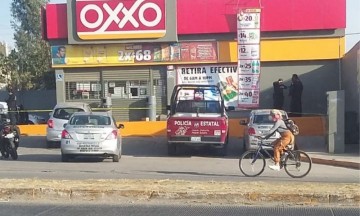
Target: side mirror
x=243 y=122
x=230 y=108
x=168 y=107
x=65 y=125
x=121 y=126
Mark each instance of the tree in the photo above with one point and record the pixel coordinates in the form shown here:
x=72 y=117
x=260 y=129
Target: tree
x=33 y=53
x=8 y=67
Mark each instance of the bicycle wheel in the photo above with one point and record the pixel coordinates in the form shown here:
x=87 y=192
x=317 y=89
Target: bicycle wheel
x=297 y=164
x=251 y=163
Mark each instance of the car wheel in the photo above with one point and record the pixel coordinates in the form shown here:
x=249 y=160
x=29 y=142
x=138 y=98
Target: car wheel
x=116 y=158
x=223 y=151
x=171 y=149
x=64 y=158
x=244 y=145
x=49 y=144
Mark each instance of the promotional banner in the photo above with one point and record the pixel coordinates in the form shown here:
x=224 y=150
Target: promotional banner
x=114 y=19
x=224 y=76
x=248 y=38
x=133 y=54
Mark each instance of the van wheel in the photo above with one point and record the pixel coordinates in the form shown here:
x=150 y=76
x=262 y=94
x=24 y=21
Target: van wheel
x=171 y=149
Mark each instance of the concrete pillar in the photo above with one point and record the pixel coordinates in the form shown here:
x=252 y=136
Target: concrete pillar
x=171 y=82
x=336 y=121
x=152 y=108
x=60 y=85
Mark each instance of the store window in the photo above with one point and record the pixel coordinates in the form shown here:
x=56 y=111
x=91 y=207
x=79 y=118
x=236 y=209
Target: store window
x=82 y=90
x=127 y=89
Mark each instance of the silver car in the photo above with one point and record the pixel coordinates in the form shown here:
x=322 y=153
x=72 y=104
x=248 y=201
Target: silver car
x=59 y=116
x=259 y=123
x=91 y=134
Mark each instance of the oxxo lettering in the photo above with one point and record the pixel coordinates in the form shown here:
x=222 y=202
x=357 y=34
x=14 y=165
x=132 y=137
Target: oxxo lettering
x=128 y=15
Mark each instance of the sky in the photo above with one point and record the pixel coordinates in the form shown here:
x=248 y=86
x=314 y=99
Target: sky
x=352 y=30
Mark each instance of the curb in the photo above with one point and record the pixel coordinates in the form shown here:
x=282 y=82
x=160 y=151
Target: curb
x=248 y=193
x=337 y=163
x=193 y=196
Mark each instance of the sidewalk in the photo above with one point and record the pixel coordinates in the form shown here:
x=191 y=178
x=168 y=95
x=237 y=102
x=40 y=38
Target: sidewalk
x=320 y=155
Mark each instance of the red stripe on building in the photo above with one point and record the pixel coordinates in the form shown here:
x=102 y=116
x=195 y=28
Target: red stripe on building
x=219 y=16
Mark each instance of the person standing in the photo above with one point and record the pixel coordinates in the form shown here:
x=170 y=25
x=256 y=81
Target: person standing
x=278 y=95
x=11 y=102
x=295 y=92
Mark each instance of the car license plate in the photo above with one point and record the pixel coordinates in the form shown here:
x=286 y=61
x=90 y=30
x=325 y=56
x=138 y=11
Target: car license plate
x=88 y=136
x=195 y=139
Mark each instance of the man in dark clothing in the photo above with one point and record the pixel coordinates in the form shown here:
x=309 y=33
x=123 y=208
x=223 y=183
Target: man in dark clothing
x=278 y=95
x=295 y=92
x=23 y=116
x=11 y=102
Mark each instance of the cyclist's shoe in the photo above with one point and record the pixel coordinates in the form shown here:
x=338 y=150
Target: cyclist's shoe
x=274 y=167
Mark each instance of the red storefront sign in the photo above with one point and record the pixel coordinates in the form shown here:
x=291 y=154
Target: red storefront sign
x=119 y=19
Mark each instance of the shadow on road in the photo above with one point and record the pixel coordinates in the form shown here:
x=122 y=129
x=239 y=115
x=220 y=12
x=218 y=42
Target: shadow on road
x=157 y=147
x=56 y=158
x=136 y=147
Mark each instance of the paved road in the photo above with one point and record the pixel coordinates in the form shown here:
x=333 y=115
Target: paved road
x=43 y=209
x=146 y=158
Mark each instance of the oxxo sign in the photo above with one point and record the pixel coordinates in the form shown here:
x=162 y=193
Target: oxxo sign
x=120 y=19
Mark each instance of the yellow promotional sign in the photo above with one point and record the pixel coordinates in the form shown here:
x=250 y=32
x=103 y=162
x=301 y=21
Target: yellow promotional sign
x=133 y=54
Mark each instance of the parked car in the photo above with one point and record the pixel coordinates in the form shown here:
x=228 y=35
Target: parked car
x=91 y=134
x=259 y=122
x=59 y=116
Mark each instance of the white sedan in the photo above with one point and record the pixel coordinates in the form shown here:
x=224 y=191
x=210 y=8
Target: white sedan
x=91 y=134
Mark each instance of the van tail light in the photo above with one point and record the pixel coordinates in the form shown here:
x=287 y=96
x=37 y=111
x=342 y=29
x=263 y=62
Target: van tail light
x=50 y=123
x=251 y=131
x=112 y=135
x=65 y=135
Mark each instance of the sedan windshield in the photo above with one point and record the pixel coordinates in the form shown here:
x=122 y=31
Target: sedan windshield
x=90 y=120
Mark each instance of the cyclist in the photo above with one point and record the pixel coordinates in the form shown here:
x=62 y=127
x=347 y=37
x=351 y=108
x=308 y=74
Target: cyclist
x=287 y=138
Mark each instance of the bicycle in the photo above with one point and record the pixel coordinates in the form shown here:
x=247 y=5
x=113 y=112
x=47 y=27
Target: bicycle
x=291 y=160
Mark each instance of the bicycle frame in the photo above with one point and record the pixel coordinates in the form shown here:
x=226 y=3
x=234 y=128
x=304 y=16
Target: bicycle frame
x=261 y=144
x=258 y=151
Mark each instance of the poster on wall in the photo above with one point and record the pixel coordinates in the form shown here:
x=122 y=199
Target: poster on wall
x=248 y=98
x=224 y=76
x=248 y=40
x=134 y=54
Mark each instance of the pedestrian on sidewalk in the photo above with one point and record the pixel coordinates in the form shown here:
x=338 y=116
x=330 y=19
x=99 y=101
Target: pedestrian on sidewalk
x=295 y=92
x=278 y=94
